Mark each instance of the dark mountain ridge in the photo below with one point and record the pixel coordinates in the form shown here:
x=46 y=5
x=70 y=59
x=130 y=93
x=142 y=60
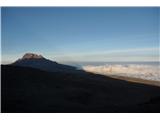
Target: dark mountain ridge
x=39 y=62
x=31 y=90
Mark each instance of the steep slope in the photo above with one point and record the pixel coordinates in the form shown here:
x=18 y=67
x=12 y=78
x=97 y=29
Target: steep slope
x=31 y=90
x=39 y=62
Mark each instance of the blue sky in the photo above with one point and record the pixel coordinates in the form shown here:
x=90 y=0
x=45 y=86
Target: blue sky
x=81 y=34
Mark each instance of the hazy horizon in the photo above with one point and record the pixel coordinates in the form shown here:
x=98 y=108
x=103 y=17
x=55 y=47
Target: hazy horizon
x=81 y=34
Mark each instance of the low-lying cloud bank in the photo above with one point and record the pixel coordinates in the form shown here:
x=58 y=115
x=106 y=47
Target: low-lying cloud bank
x=147 y=72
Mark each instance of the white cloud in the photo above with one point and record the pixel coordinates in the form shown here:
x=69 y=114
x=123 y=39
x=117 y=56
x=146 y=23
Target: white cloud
x=147 y=72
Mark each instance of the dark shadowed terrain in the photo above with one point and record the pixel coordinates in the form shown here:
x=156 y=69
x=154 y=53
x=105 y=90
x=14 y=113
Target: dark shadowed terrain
x=31 y=90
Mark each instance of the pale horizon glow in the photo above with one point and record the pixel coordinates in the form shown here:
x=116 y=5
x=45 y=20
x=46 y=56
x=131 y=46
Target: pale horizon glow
x=109 y=56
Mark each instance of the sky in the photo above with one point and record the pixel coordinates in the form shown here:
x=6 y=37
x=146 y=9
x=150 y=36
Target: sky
x=81 y=34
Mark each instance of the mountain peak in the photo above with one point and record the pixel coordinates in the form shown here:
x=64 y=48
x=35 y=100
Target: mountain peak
x=32 y=56
x=39 y=62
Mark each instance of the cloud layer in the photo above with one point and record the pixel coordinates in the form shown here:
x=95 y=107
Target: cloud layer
x=147 y=72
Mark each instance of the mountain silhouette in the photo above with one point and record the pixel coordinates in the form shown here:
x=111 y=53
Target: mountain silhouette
x=39 y=62
x=34 y=84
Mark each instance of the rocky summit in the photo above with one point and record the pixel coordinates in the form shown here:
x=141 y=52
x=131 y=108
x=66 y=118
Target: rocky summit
x=32 y=56
x=39 y=62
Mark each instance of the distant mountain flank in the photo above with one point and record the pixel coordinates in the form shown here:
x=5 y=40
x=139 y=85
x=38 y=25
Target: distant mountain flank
x=38 y=61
